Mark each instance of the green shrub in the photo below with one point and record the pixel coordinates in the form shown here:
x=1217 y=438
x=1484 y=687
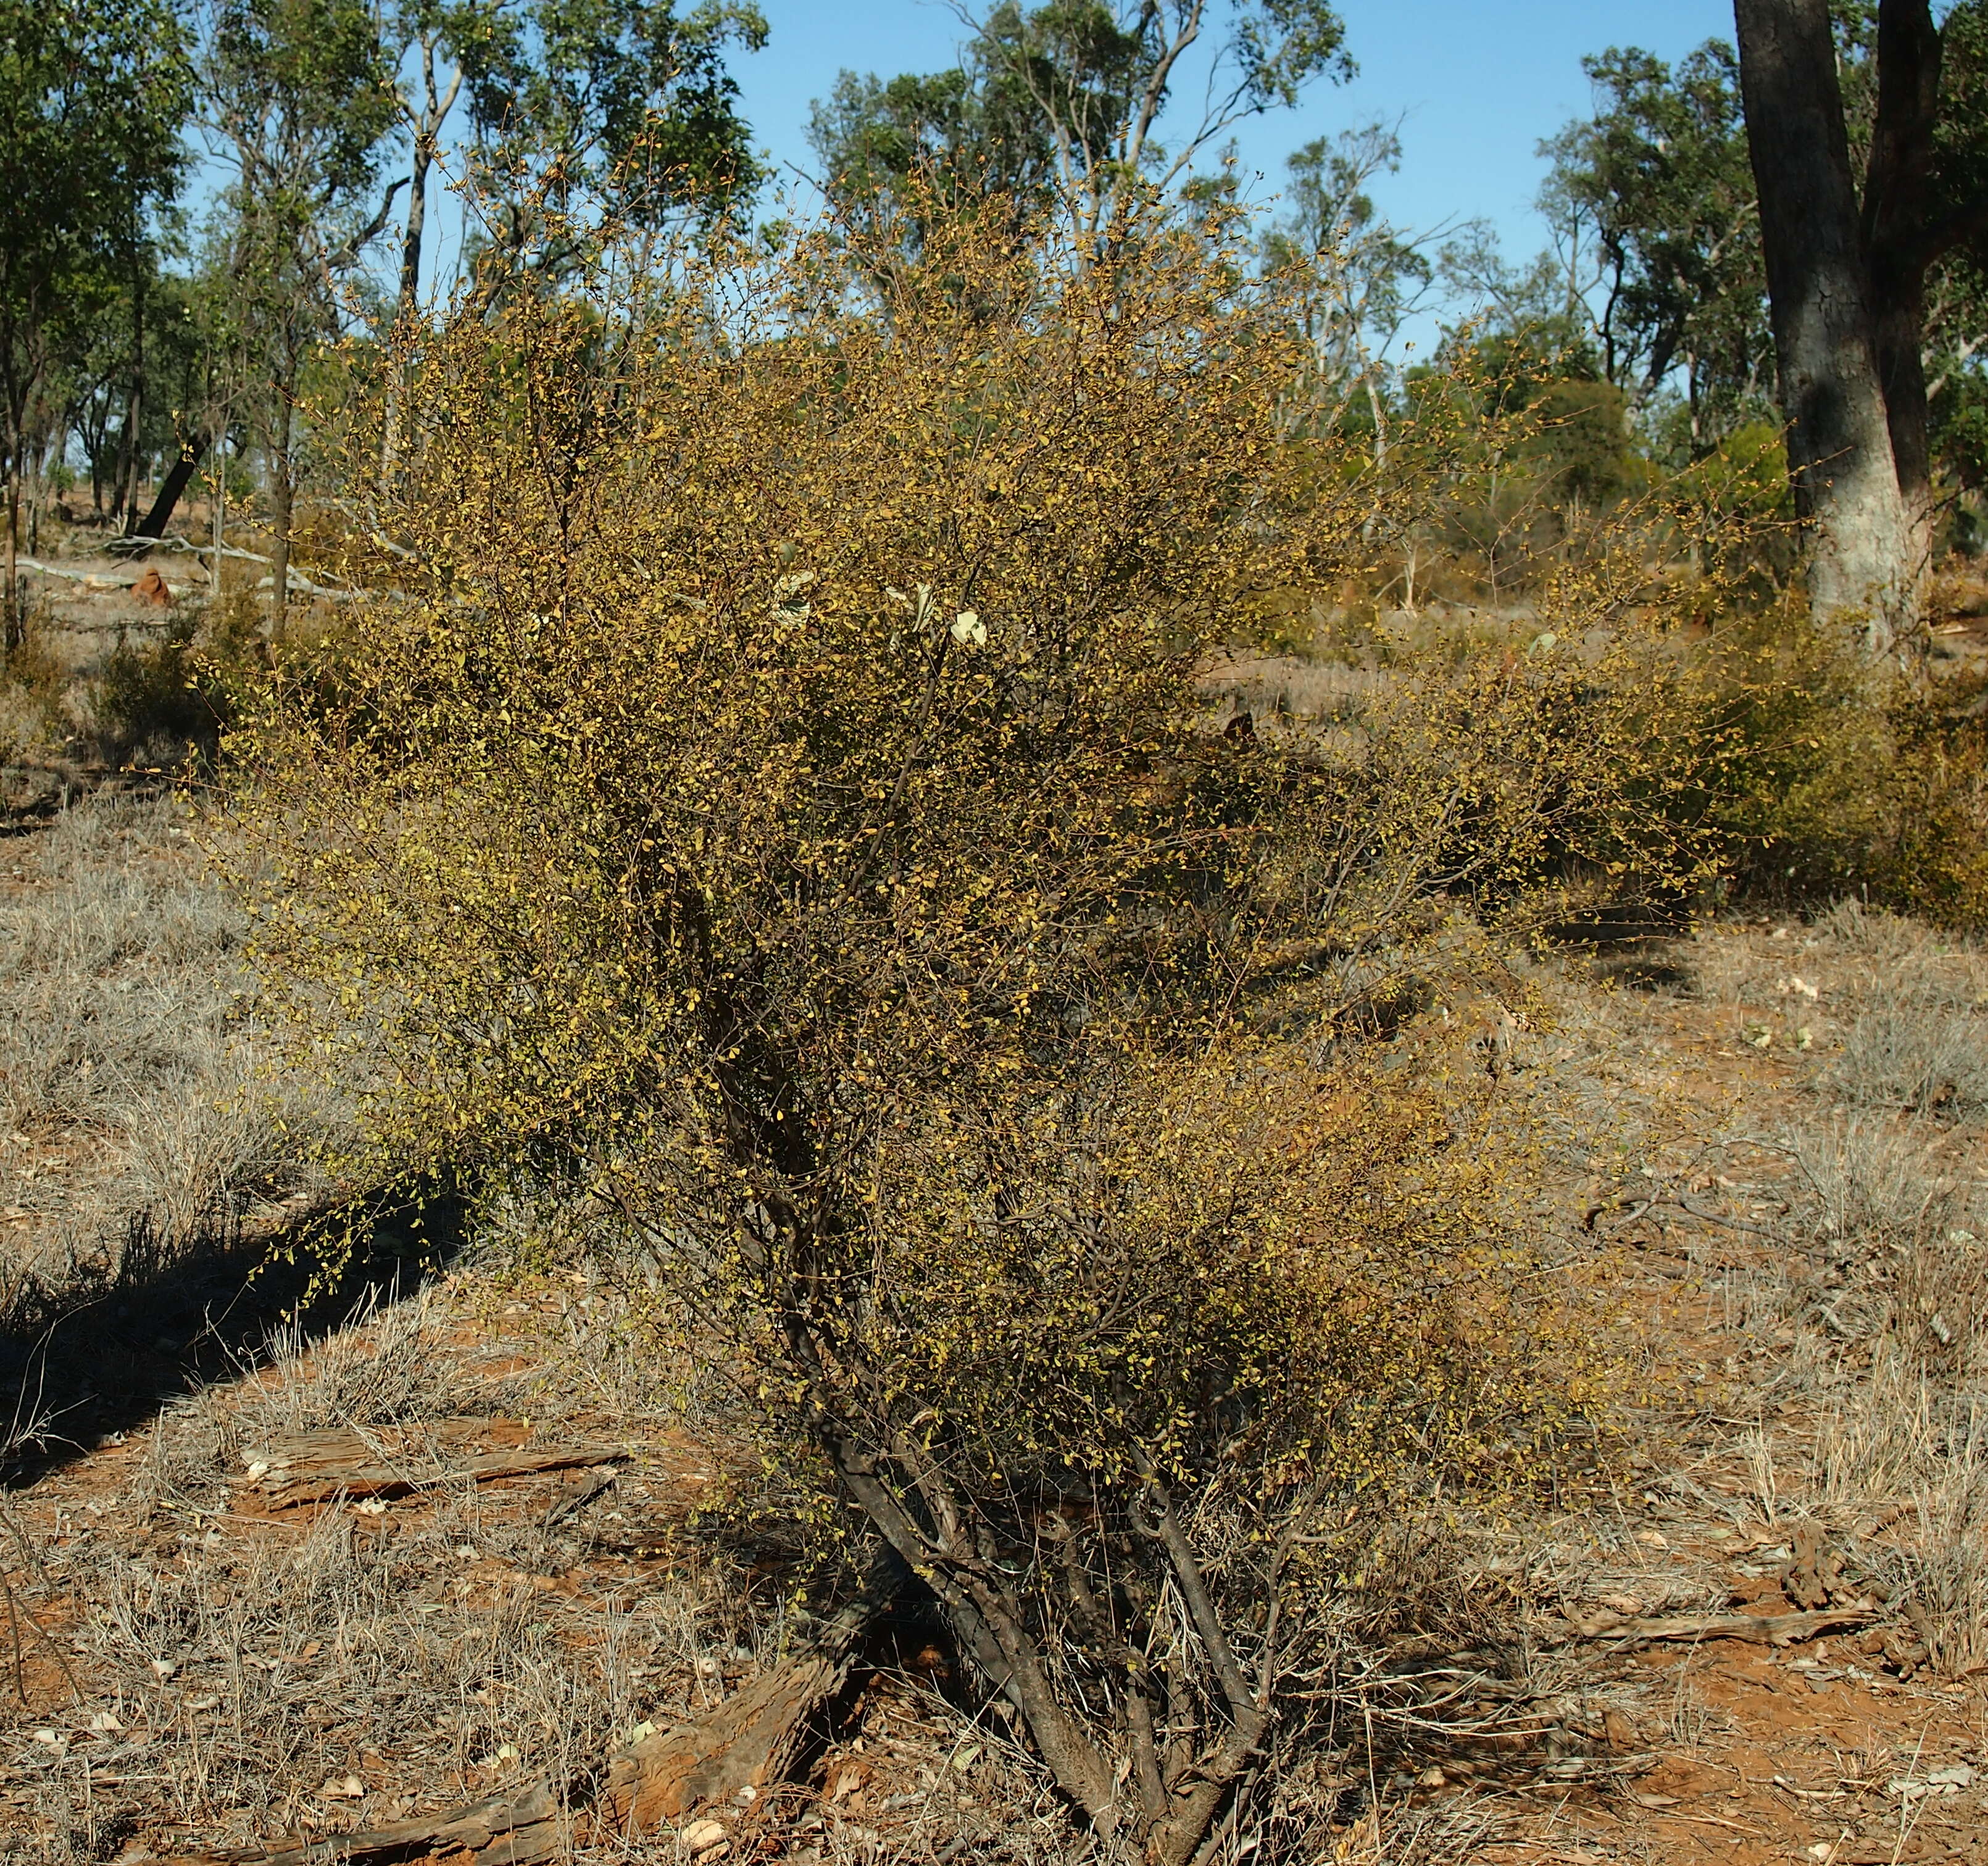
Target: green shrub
x=165 y=704
x=782 y=812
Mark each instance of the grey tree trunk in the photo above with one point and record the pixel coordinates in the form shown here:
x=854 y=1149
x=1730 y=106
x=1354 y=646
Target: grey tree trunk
x=1864 y=558
x=409 y=296
x=427 y=125
x=135 y=413
x=283 y=504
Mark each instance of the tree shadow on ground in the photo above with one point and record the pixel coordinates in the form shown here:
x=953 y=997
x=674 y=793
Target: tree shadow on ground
x=107 y=1351
x=1633 y=945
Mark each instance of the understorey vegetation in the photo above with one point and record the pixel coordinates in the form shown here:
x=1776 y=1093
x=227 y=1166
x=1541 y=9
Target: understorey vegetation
x=971 y=812
x=773 y=802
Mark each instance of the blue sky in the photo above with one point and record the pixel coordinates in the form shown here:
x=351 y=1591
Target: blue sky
x=1476 y=87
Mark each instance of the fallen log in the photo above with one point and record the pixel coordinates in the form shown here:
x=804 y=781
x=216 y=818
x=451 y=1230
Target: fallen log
x=1760 y=1629
x=101 y=579
x=513 y=1829
x=316 y=1467
x=385 y=1480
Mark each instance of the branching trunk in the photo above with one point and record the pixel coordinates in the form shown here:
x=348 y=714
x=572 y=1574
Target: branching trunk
x=1840 y=459
x=427 y=126
x=988 y=1624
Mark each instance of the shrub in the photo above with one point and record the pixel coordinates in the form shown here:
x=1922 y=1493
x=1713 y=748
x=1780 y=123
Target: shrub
x=165 y=704
x=781 y=808
x=31 y=684
x=1832 y=778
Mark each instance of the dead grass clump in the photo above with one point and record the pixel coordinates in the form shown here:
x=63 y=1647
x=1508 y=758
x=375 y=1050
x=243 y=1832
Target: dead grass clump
x=1901 y=1453
x=1922 y=1047
x=384 y=1367
x=1870 y=1186
x=1874 y=1442
x=286 y=1665
x=132 y=1083
x=1900 y=1270
x=1874 y=932
x=1890 y=1346
x=1948 y=1581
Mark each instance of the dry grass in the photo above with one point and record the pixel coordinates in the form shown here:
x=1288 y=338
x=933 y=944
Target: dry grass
x=239 y=1674
x=135 y=1098
x=1922 y=1050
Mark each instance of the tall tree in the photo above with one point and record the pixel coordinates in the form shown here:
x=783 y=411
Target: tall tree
x=1847 y=271
x=1356 y=279
x=91 y=101
x=1660 y=174
x=300 y=98
x=895 y=151
x=622 y=107
x=1072 y=94
x=623 y=104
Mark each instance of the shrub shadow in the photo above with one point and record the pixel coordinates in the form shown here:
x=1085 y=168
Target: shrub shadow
x=1629 y=944
x=106 y=1352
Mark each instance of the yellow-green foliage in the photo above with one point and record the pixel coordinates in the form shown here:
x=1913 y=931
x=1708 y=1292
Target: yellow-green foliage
x=780 y=805
x=1828 y=777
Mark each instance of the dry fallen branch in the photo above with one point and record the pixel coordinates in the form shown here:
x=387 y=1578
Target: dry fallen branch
x=380 y=1480
x=512 y=1829
x=1761 y=1629
x=320 y=1466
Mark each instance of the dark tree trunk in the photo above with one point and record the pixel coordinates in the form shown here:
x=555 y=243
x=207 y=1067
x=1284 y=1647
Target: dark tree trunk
x=1840 y=457
x=170 y=493
x=1897 y=187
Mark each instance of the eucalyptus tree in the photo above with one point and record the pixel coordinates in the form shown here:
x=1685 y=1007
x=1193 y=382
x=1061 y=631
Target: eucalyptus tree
x=625 y=107
x=1852 y=260
x=1355 y=279
x=1659 y=175
x=585 y=110
x=1103 y=107
x=92 y=103
x=300 y=99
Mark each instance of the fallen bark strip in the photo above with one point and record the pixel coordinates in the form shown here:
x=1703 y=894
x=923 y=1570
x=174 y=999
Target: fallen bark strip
x=512 y=1829
x=383 y=1480
x=1760 y=1629
x=748 y=1742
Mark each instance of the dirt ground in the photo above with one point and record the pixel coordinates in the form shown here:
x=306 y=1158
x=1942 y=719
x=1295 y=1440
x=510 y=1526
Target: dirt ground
x=282 y=1565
